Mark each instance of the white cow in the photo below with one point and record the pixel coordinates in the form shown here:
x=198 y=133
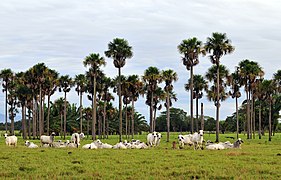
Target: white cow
x=152 y=139
x=76 y=138
x=30 y=144
x=185 y=140
x=11 y=140
x=197 y=139
x=159 y=136
x=47 y=139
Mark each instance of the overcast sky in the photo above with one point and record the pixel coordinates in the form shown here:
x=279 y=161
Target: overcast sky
x=61 y=33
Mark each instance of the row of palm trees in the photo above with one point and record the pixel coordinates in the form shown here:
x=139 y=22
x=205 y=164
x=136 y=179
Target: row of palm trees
x=248 y=74
x=30 y=88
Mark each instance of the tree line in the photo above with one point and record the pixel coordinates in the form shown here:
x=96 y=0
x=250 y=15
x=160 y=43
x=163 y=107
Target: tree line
x=31 y=90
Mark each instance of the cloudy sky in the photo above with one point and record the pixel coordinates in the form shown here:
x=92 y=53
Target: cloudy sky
x=61 y=33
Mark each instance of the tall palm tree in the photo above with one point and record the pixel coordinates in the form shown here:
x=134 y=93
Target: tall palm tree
x=80 y=81
x=119 y=50
x=249 y=71
x=151 y=78
x=269 y=88
x=159 y=96
x=169 y=76
x=95 y=61
x=12 y=101
x=39 y=72
x=218 y=45
x=59 y=106
x=199 y=84
x=50 y=87
x=212 y=94
x=22 y=92
x=191 y=49
x=6 y=75
x=235 y=84
x=65 y=84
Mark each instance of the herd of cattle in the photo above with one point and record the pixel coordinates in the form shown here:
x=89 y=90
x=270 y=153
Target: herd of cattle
x=153 y=139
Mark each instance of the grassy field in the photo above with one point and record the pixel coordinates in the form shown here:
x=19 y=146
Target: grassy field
x=258 y=159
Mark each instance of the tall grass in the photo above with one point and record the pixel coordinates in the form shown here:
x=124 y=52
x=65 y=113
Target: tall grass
x=258 y=159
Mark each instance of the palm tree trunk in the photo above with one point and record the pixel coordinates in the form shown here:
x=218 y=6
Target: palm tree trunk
x=94 y=110
x=120 y=105
x=248 y=117
x=61 y=125
x=251 y=114
x=191 y=99
x=40 y=111
x=88 y=127
x=43 y=113
x=237 y=118
x=218 y=106
x=64 y=123
x=197 y=130
x=126 y=121
x=202 y=117
x=260 y=121
x=253 y=117
x=269 y=121
x=168 y=115
x=154 y=119
x=12 y=121
x=104 y=120
x=34 y=118
x=48 y=116
x=93 y=120
x=6 y=109
x=29 y=124
x=133 y=118
x=151 y=111
x=81 y=114
x=23 y=122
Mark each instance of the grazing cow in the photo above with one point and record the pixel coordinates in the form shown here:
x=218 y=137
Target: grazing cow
x=76 y=138
x=152 y=139
x=185 y=140
x=48 y=139
x=11 y=140
x=197 y=139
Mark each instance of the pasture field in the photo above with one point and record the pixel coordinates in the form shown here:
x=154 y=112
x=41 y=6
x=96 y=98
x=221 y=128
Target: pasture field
x=258 y=159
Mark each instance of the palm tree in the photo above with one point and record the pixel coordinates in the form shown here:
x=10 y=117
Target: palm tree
x=218 y=45
x=65 y=84
x=6 y=75
x=50 y=87
x=158 y=96
x=59 y=106
x=235 y=83
x=249 y=71
x=212 y=95
x=80 y=81
x=151 y=78
x=22 y=92
x=136 y=88
x=39 y=72
x=199 y=84
x=191 y=49
x=119 y=50
x=95 y=61
x=12 y=101
x=169 y=76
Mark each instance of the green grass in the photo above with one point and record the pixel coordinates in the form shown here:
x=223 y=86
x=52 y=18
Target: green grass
x=258 y=159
